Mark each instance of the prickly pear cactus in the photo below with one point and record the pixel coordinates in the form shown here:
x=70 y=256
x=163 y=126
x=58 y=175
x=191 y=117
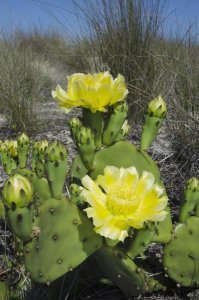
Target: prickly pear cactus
x=180 y=261
x=116 y=205
x=62 y=239
x=125 y=273
x=181 y=254
x=56 y=235
x=101 y=139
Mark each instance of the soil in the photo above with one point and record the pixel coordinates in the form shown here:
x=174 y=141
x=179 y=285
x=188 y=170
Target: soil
x=174 y=171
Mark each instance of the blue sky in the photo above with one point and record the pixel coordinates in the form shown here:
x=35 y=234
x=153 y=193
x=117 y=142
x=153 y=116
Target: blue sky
x=59 y=14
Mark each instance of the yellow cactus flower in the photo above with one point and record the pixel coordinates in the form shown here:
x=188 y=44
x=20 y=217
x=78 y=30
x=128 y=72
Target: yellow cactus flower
x=121 y=199
x=92 y=91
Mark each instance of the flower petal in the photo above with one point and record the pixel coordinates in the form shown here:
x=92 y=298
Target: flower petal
x=91 y=91
x=93 y=194
x=145 y=183
x=115 y=228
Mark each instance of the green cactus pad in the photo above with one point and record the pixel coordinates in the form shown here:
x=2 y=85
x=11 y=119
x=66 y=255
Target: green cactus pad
x=191 y=200
x=41 y=188
x=62 y=245
x=56 y=158
x=125 y=273
x=23 y=143
x=9 y=164
x=21 y=222
x=114 y=122
x=95 y=122
x=78 y=169
x=181 y=255
x=56 y=174
x=123 y=154
x=164 y=229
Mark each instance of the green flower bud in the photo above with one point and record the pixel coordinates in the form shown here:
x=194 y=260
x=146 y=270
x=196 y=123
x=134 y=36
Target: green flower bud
x=23 y=139
x=75 y=189
x=56 y=151
x=4 y=148
x=17 y=191
x=13 y=148
x=193 y=184
x=10 y=147
x=157 y=107
x=41 y=146
x=76 y=197
x=123 y=107
x=75 y=123
x=85 y=136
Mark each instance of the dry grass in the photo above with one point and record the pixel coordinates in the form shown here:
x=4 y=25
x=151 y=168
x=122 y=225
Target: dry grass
x=120 y=37
x=179 y=64
x=20 y=84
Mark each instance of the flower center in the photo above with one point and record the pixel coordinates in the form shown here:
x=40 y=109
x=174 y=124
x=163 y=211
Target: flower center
x=122 y=200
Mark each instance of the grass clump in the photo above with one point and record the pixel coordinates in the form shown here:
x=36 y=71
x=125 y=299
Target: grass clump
x=121 y=35
x=179 y=63
x=127 y=37
x=20 y=85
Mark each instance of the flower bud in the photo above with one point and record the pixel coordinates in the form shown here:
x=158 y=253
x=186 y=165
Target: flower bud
x=41 y=146
x=75 y=123
x=56 y=151
x=17 y=191
x=85 y=136
x=193 y=184
x=23 y=139
x=121 y=106
x=157 y=107
x=9 y=146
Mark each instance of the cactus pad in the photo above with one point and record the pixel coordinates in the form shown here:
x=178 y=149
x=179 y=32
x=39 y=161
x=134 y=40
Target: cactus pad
x=121 y=154
x=63 y=239
x=181 y=255
x=125 y=273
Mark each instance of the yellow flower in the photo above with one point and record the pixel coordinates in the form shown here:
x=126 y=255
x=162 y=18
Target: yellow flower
x=120 y=199
x=92 y=91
